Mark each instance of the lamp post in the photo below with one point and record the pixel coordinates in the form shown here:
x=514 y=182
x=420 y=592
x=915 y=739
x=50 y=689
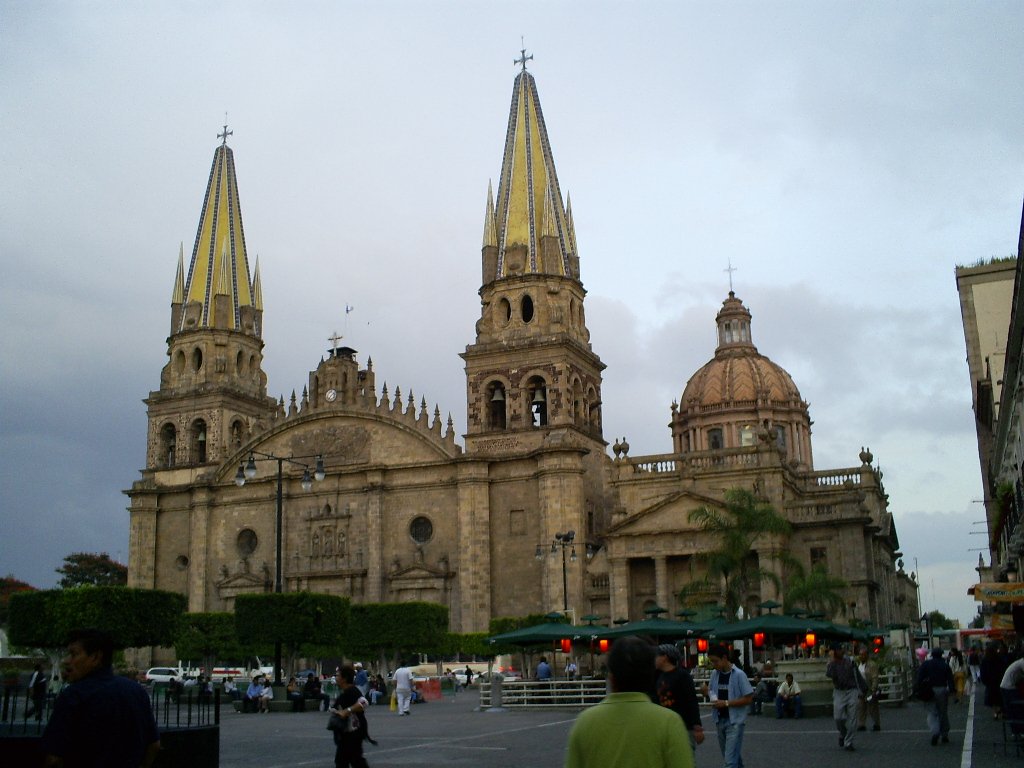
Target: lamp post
x=564 y=541
x=248 y=472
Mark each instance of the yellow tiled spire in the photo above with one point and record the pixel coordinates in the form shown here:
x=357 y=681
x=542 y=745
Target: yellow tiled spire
x=490 y=236
x=257 y=287
x=529 y=203
x=178 y=295
x=219 y=262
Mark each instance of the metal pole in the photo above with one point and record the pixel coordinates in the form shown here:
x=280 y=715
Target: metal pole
x=565 y=583
x=278 y=586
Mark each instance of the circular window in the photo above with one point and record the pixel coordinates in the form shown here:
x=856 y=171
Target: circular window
x=527 y=308
x=246 y=542
x=181 y=562
x=421 y=530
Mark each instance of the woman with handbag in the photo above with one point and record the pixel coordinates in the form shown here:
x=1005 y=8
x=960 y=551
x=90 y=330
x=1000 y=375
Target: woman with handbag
x=346 y=722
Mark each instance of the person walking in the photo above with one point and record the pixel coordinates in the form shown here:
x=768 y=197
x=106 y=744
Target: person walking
x=626 y=729
x=867 y=702
x=37 y=694
x=101 y=720
x=403 y=688
x=675 y=690
x=348 y=706
x=730 y=694
x=935 y=672
x=959 y=668
x=845 y=692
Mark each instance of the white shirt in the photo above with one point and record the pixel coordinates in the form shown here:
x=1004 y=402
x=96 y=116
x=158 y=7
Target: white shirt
x=403 y=679
x=789 y=690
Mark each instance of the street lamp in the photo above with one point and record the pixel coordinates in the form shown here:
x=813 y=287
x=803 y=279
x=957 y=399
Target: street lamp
x=564 y=541
x=248 y=472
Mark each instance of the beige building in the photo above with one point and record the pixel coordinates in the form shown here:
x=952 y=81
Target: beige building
x=986 y=298
x=400 y=496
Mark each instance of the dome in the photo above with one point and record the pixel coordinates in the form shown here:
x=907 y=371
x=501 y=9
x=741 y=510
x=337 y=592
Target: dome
x=740 y=395
x=738 y=375
x=739 y=380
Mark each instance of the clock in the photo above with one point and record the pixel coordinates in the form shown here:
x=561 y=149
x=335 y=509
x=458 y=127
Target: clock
x=332 y=395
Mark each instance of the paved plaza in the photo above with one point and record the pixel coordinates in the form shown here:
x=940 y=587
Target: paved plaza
x=453 y=733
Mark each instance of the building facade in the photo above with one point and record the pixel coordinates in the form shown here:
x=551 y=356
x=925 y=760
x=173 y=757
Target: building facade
x=401 y=500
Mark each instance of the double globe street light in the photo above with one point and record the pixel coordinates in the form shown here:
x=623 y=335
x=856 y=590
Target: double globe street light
x=564 y=541
x=248 y=472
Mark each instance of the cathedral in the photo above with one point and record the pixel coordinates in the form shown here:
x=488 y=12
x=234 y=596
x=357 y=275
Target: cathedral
x=356 y=491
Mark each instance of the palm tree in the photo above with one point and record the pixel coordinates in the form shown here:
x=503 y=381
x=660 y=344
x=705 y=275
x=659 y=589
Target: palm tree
x=732 y=566
x=817 y=590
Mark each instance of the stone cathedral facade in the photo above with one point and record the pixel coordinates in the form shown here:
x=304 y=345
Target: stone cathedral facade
x=402 y=496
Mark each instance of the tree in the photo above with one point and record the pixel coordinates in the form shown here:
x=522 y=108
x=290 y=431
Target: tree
x=389 y=630
x=731 y=567
x=816 y=591
x=293 y=619
x=208 y=636
x=941 y=621
x=83 y=568
x=9 y=586
x=135 y=618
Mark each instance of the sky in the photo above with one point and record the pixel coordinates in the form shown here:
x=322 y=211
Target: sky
x=844 y=157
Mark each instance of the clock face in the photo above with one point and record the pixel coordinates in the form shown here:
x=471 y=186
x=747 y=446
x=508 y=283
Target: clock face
x=332 y=395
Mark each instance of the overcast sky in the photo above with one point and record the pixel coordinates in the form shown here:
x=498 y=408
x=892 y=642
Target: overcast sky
x=845 y=156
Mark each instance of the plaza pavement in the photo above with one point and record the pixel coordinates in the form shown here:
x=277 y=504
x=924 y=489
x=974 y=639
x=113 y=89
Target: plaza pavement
x=453 y=733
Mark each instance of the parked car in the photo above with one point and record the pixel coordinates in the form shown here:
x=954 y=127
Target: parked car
x=163 y=674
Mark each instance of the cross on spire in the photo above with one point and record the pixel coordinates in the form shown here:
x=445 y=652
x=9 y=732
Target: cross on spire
x=523 y=57
x=225 y=135
x=730 y=269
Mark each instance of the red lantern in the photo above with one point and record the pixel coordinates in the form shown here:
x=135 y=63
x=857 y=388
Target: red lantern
x=702 y=645
x=602 y=645
x=878 y=644
x=759 y=639
x=566 y=645
x=810 y=639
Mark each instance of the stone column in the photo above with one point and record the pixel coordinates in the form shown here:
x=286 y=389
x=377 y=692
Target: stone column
x=373 y=545
x=142 y=543
x=198 y=548
x=562 y=509
x=661 y=586
x=474 y=561
x=618 y=587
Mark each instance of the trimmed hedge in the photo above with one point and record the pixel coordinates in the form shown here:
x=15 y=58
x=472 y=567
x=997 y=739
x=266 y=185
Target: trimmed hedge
x=296 y=618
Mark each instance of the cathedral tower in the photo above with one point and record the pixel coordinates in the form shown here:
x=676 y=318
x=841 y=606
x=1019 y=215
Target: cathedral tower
x=531 y=369
x=213 y=390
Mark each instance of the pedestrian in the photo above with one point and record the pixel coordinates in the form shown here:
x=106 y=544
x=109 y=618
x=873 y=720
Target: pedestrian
x=730 y=694
x=845 y=692
x=403 y=688
x=1009 y=689
x=348 y=740
x=36 y=702
x=867 y=702
x=543 y=669
x=469 y=676
x=674 y=690
x=991 y=671
x=626 y=729
x=362 y=679
x=959 y=669
x=570 y=670
x=100 y=720
x=935 y=673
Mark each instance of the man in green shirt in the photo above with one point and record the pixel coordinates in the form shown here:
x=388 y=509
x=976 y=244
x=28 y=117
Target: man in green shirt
x=627 y=729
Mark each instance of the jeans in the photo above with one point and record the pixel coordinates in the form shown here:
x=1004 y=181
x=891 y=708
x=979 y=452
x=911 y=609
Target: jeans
x=938 y=712
x=844 y=712
x=730 y=741
x=794 y=704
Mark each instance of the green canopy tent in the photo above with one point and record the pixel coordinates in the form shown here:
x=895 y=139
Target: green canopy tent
x=775 y=626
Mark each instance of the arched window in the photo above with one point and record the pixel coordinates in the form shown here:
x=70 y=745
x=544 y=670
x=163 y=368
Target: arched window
x=236 y=433
x=168 y=445
x=537 y=391
x=496 y=406
x=715 y=442
x=198 y=442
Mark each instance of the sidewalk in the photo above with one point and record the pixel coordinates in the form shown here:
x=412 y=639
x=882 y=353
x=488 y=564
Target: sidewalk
x=454 y=732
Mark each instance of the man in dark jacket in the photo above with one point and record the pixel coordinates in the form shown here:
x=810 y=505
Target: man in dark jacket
x=935 y=672
x=674 y=690
x=100 y=720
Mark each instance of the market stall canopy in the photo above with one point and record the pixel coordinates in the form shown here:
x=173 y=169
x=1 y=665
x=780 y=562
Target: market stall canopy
x=546 y=633
x=779 y=626
x=657 y=627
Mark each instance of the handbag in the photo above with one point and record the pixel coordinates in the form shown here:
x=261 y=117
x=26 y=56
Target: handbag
x=336 y=722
